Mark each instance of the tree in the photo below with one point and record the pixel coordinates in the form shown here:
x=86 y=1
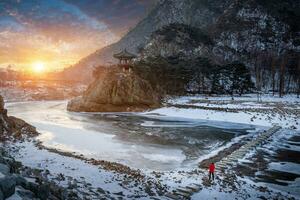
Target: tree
x=298 y=77
x=239 y=78
x=282 y=76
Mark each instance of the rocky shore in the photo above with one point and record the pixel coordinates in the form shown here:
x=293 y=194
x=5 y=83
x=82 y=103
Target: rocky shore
x=147 y=184
x=19 y=182
x=16 y=180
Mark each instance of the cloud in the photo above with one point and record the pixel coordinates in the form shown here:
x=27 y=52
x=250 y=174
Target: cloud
x=62 y=31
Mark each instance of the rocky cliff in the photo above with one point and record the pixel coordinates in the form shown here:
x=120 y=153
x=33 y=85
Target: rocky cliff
x=18 y=181
x=238 y=28
x=12 y=126
x=116 y=91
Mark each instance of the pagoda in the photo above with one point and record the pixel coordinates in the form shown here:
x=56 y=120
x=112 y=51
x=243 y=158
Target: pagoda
x=125 y=59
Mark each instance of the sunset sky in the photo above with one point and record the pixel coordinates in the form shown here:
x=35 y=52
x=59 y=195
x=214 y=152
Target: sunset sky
x=57 y=33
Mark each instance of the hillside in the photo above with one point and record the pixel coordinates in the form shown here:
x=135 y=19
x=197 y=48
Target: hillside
x=194 y=12
x=239 y=29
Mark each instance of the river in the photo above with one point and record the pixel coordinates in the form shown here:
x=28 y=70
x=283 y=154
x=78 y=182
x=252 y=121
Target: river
x=142 y=141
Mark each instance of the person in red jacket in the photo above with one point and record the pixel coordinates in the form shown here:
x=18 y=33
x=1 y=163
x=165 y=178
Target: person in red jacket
x=212 y=171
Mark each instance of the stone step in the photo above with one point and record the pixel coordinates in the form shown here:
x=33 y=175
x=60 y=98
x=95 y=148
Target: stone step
x=196 y=184
x=194 y=188
x=221 y=166
x=239 y=153
x=183 y=194
x=172 y=196
x=185 y=190
x=230 y=158
x=222 y=163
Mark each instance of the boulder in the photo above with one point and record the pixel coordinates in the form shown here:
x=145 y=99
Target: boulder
x=7 y=186
x=20 y=180
x=33 y=187
x=116 y=91
x=4 y=169
x=19 y=125
x=43 y=191
x=22 y=193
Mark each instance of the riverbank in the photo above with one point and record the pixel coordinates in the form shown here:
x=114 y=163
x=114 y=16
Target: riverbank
x=269 y=111
x=16 y=180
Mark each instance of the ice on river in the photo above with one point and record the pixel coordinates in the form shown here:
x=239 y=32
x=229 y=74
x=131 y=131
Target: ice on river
x=139 y=141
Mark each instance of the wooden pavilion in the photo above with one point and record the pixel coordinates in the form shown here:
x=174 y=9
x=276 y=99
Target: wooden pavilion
x=125 y=59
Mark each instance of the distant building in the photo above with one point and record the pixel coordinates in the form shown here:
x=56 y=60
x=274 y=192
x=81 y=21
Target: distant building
x=125 y=59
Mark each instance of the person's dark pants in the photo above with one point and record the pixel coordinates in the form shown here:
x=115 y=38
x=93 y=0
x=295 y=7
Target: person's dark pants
x=211 y=175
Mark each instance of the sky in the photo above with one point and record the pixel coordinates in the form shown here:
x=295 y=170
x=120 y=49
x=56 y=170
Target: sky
x=58 y=33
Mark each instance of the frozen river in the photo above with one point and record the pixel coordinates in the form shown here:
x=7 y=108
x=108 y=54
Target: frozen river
x=138 y=140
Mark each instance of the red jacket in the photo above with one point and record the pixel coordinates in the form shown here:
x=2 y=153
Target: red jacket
x=211 y=168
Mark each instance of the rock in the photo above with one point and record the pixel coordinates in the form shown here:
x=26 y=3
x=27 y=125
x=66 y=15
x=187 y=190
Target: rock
x=7 y=185
x=100 y=190
x=4 y=169
x=115 y=91
x=32 y=187
x=6 y=160
x=20 y=180
x=20 y=125
x=43 y=191
x=12 y=126
x=149 y=191
x=119 y=193
x=24 y=194
x=1 y=104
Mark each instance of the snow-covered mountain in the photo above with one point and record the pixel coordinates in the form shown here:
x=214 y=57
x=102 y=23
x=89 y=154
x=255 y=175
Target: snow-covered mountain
x=238 y=30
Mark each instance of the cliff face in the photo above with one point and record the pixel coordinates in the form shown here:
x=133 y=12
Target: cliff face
x=12 y=126
x=238 y=28
x=116 y=91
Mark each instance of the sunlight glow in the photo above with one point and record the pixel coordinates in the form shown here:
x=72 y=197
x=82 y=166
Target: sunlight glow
x=38 y=67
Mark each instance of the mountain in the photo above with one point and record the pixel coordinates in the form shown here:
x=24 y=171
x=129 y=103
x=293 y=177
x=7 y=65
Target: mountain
x=238 y=30
x=243 y=31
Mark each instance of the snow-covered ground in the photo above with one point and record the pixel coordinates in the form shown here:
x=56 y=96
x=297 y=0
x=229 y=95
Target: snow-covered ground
x=262 y=179
x=246 y=109
x=167 y=137
x=66 y=171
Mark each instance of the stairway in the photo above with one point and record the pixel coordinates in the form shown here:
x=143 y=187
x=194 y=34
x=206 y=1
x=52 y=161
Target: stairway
x=186 y=192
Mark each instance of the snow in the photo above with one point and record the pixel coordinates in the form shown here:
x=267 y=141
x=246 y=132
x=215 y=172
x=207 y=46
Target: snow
x=246 y=98
x=285 y=167
x=69 y=167
x=252 y=117
x=60 y=131
x=278 y=142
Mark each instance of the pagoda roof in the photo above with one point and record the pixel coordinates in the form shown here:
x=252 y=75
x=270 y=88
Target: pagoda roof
x=124 y=55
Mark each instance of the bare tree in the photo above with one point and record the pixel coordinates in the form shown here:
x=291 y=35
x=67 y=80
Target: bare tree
x=273 y=72
x=282 y=74
x=298 y=77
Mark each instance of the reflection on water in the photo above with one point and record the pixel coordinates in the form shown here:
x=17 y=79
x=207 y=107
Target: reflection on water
x=140 y=141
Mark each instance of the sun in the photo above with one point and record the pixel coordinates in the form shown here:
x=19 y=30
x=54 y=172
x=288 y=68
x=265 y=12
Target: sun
x=38 y=67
